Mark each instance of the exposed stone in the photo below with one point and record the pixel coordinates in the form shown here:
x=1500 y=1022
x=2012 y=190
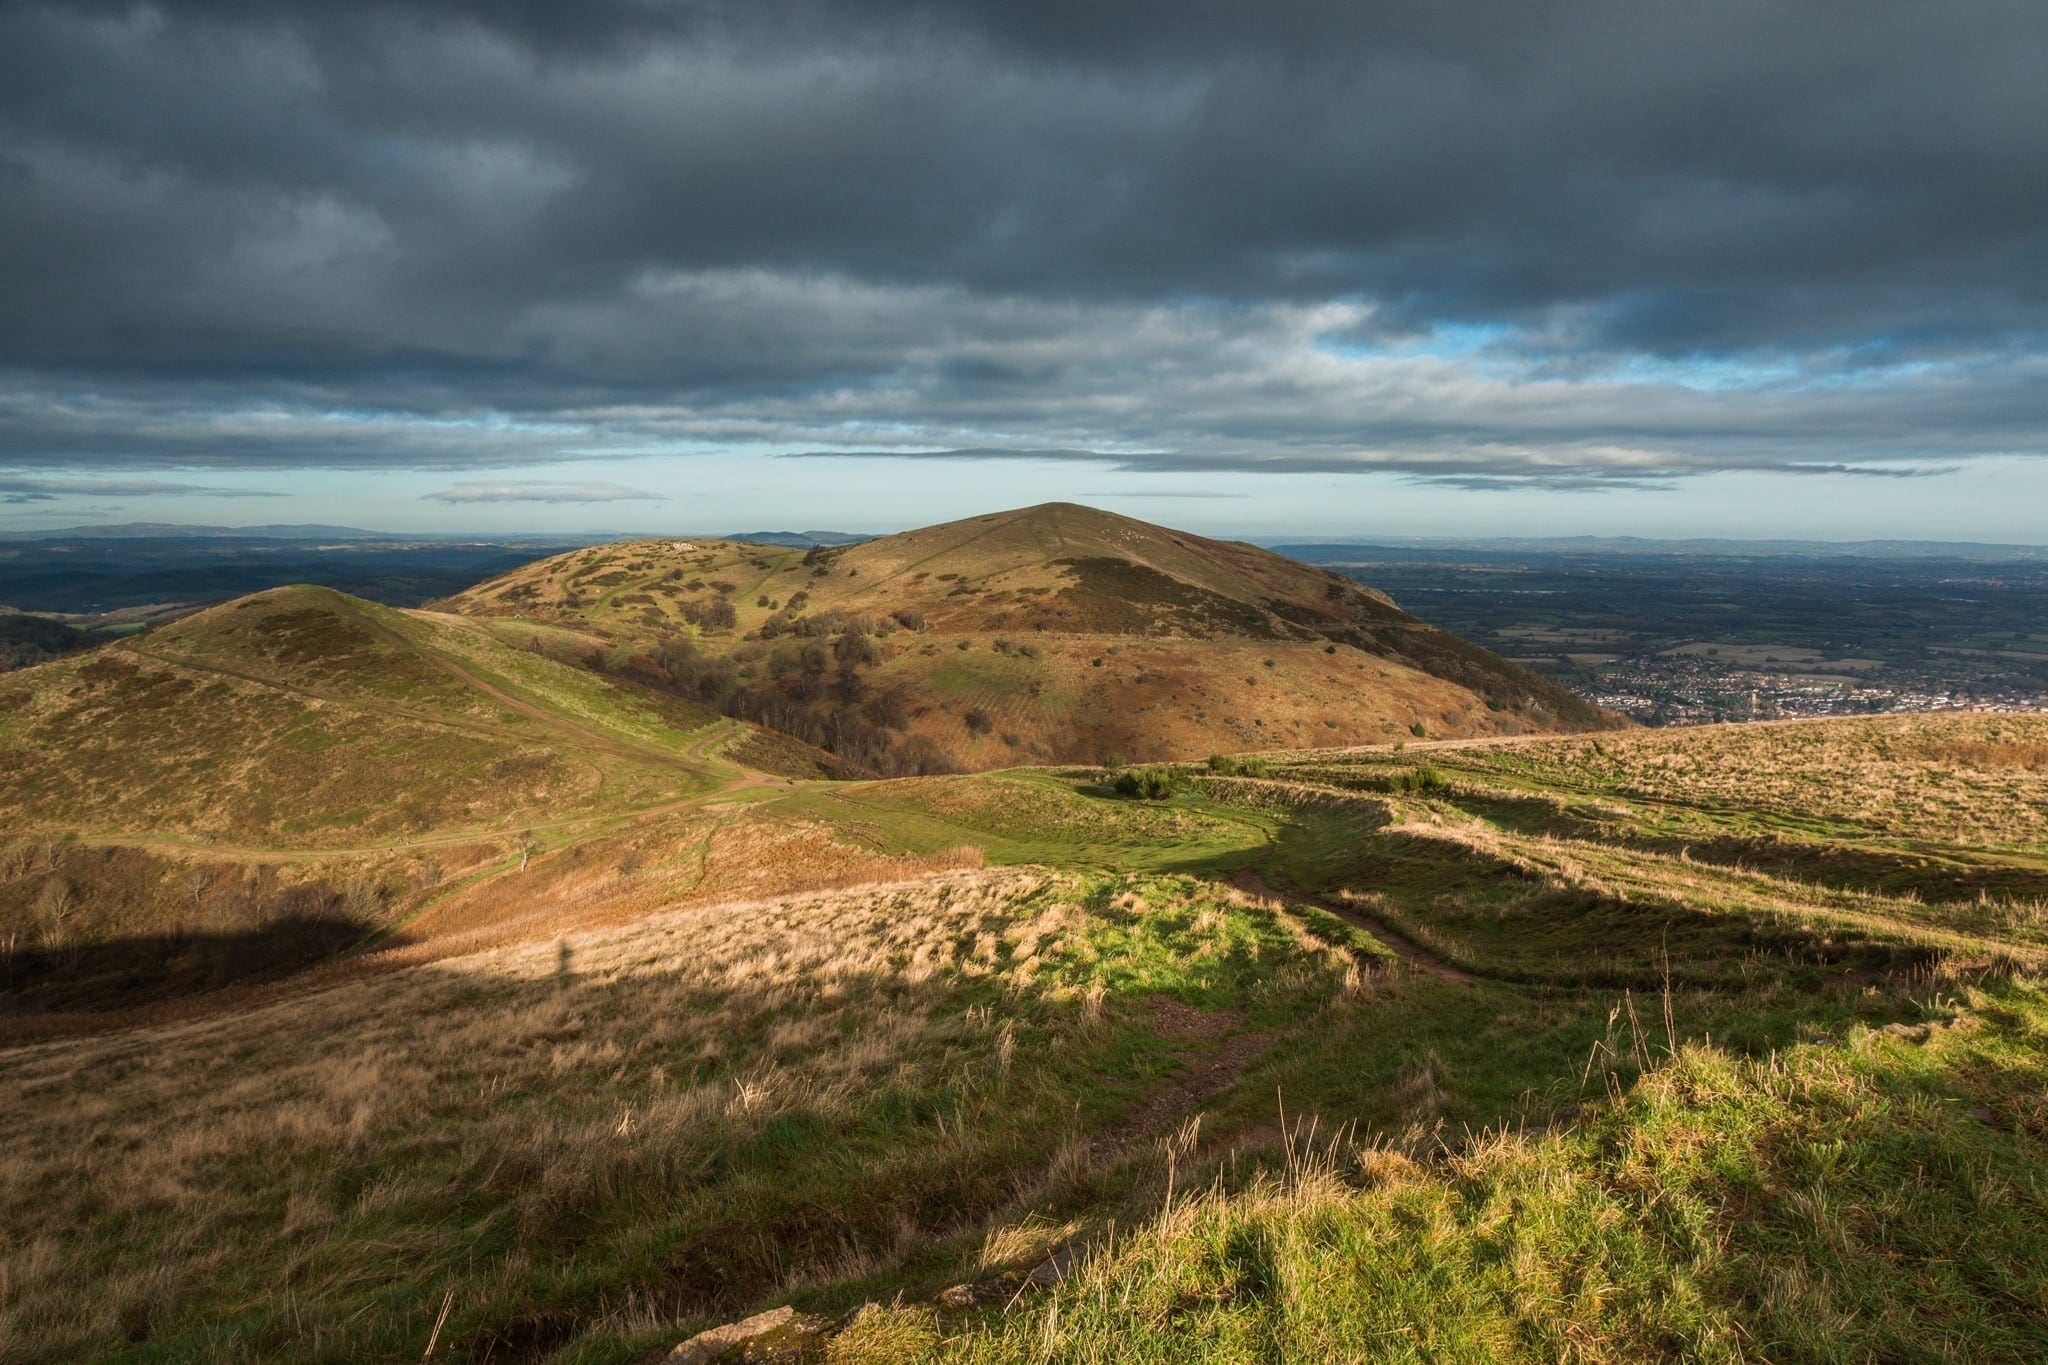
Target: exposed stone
x=780 y=1334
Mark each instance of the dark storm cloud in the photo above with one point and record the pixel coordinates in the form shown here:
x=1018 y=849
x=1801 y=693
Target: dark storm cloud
x=1563 y=240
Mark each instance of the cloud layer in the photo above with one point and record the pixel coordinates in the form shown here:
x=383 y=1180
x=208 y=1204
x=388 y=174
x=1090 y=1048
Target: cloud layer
x=1570 y=241
x=541 y=492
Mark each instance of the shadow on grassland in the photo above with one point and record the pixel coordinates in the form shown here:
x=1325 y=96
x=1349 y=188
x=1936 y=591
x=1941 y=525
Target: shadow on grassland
x=129 y=971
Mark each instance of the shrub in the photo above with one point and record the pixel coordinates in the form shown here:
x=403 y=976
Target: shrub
x=1154 y=783
x=977 y=721
x=1417 y=730
x=1427 y=778
x=1224 y=765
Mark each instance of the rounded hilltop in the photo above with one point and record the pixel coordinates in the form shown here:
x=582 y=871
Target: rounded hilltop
x=1054 y=633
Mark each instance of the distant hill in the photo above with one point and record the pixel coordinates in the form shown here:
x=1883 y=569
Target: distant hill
x=93 y=574
x=1050 y=634
x=164 y=530
x=305 y=717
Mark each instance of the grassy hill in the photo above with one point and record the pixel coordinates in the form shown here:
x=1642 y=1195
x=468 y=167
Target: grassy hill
x=304 y=716
x=264 y=783
x=1721 y=1044
x=1051 y=634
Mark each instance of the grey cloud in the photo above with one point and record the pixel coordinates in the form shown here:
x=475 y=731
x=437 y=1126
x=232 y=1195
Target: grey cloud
x=541 y=492
x=1188 y=236
x=41 y=489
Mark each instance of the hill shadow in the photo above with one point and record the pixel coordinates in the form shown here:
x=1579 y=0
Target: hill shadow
x=122 y=973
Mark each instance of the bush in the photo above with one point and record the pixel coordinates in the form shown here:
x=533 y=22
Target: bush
x=1154 y=783
x=1424 y=779
x=1224 y=765
x=1417 y=730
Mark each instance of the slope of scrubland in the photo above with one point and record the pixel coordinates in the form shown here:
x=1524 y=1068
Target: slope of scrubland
x=1723 y=1044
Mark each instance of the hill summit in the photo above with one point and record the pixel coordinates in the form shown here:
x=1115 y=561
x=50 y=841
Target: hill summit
x=1056 y=633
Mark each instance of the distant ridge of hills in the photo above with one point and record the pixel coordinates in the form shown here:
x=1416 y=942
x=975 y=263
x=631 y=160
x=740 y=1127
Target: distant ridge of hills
x=315 y=531
x=165 y=530
x=1310 y=550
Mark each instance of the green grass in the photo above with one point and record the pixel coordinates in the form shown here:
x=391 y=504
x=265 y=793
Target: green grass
x=1021 y=818
x=304 y=718
x=1821 y=1203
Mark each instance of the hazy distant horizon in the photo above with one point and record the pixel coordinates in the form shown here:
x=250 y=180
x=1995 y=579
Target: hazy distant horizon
x=1701 y=544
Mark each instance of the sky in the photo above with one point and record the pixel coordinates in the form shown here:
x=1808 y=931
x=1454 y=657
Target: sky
x=1317 y=267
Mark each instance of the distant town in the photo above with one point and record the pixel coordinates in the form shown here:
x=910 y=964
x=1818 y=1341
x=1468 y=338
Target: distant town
x=1662 y=689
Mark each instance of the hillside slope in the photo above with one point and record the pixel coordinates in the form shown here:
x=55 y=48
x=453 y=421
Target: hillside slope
x=260 y=785
x=1588 y=1048
x=304 y=716
x=1049 y=634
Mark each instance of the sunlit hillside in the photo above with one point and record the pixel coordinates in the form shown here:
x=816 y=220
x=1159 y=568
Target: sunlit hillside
x=1051 y=634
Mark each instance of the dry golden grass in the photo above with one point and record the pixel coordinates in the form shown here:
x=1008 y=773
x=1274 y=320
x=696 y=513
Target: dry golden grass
x=699 y=1086
x=1954 y=779
x=167 y=1168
